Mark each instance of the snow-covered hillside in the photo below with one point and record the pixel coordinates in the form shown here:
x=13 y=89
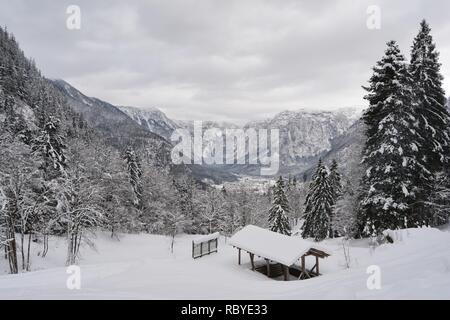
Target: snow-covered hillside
x=416 y=266
x=152 y=119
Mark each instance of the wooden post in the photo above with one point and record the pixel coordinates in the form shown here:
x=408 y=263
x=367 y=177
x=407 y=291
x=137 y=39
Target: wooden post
x=317 y=265
x=303 y=268
x=252 y=256
x=285 y=272
x=239 y=256
x=268 y=267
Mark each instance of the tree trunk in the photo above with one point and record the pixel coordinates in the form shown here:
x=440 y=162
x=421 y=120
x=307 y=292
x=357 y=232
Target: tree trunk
x=70 y=248
x=12 y=254
x=28 y=251
x=77 y=249
x=22 y=240
x=44 y=252
x=12 y=247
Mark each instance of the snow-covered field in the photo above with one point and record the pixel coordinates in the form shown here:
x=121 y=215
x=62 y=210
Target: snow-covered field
x=417 y=266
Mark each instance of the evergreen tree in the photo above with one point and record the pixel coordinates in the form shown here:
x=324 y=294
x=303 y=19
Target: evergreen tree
x=430 y=97
x=335 y=179
x=395 y=173
x=50 y=144
x=135 y=173
x=319 y=203
x=434 y=119
x=278 y=213
x=289 y=183
x=294 y=182
x=336 y=187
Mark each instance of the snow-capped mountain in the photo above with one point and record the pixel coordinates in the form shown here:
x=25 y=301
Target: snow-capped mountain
x=307 y=134
x=152 y=119
x=304 y=135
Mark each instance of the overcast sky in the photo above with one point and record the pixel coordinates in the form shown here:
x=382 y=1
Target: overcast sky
x=221 y=59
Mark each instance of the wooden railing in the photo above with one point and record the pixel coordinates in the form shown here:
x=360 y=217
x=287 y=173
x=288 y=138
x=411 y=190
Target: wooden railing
x=202 y=248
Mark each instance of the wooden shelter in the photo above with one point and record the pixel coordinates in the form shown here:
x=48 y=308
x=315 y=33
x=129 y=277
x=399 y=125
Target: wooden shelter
x=280 y=252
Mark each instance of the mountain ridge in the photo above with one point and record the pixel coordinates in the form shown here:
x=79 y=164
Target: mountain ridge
x=305 y=135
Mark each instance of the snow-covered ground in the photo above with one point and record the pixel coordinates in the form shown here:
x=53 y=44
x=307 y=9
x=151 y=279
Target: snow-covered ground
x=417 y=266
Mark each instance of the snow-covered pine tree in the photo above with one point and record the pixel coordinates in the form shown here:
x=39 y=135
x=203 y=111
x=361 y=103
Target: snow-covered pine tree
x=278 y=213
x=319 y=204
x=430 y=98
x=335 y=179
x=135 y=173
x=50 y=143
x=395 y=173
x=336 y=187
x=294 y=182
x=434 y=121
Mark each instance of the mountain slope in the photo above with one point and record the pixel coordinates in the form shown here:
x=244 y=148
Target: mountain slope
x=136 y=127
x=153 y=119
x=347 y=150
x=117 y=126
x=307 y=134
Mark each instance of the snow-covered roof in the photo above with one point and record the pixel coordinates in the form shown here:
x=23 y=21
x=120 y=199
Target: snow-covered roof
x=206 y=238
x=272 y=245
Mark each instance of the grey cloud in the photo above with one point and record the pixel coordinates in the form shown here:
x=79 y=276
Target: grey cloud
x=220 y=60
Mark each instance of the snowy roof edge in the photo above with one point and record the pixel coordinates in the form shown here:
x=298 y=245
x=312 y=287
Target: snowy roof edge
x=286 y=262
x=293 y=242
x=206 y=238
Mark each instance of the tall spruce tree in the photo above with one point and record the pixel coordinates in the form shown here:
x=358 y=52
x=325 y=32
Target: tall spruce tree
x=336 y=188
x=278 y=213
x=50 y=144
x=431 y=101
x=335 y=179
x=434 y=118
x=396 y=176
x=319 y=204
